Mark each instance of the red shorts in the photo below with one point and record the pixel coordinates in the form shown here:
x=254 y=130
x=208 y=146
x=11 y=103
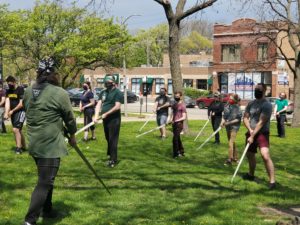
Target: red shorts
x=261 y=140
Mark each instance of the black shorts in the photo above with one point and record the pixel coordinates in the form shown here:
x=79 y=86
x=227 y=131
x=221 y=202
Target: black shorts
x=17 y=119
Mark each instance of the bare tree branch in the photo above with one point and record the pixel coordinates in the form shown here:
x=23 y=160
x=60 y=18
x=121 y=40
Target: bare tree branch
x=197 y=8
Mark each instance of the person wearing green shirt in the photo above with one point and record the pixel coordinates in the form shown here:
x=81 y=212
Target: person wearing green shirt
x=48 y=109
x=109 y=105
x=280 y=108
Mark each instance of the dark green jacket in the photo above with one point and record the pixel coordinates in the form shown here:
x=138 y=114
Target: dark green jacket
x=46 y=115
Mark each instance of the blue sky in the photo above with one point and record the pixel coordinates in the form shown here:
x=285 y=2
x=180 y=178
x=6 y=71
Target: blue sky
x=151 y=13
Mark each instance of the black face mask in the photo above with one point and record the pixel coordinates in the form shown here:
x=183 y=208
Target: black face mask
x=162 y=93
x=11 y=86
x=108 y=85
x=85 y=88
x=177 y=99
x=258 y=93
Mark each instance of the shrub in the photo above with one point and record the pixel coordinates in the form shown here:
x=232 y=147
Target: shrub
x=195 y=93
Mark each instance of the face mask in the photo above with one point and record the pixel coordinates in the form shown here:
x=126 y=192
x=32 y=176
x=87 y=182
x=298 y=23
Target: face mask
x=258 y=94
x=231 y=102
x=11 y=86
x=85 y=88
x=177 y=99
x=162 y=93
x=108 y=85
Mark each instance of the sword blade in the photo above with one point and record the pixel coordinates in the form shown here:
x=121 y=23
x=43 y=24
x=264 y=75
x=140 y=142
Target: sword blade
x=79 y=152
x=200 y=132
x=147 y=132
x=240 y=163
x=210 y=137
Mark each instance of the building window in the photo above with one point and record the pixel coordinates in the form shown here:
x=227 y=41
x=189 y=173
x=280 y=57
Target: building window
x=231 y=53
x=159 y=83
x=202 y=84
x=262 y=52
x=187 y=83
x=136 y=85
x=170 y=87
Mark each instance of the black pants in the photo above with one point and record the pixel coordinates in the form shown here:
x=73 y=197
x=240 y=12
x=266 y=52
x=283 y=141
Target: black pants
x=215 y=122
x=88 y=117
x=41 y=198
x=112 y=129
x=177 y=144
x=280 y=125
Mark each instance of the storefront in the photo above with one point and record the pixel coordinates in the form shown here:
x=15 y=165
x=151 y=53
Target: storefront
x=243 y=83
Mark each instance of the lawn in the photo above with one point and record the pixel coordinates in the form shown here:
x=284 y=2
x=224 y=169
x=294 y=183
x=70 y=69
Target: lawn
x=150 y=187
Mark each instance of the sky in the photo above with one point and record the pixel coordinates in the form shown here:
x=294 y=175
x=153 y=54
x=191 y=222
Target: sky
x=147 y=13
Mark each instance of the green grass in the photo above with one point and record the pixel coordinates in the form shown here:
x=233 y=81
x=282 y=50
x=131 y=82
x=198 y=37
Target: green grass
x=150 y=187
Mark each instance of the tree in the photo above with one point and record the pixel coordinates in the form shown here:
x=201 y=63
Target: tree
x=174 y=19
x=148 y=46
x=195 y=43
x=283 y=17
x=75 y=38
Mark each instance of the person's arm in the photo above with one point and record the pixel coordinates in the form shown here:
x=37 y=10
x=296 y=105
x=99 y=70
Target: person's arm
x=19 y=106
x=246 y=121
x=68 y=117
x=80 y=106
x=7 y=107
x=182 y=118
x=97 y=110
x=112 y=110
x=275 y=109
x=155 y=107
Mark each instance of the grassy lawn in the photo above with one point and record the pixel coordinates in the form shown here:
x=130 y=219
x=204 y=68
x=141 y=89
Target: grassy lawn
x=150 y=187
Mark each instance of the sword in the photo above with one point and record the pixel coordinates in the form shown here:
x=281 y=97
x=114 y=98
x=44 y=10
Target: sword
x=86 y=127
x=146 y=122
x=149 y=131
x=210 y=137
x=79 y=152
x=240 y=163
x=200 y=132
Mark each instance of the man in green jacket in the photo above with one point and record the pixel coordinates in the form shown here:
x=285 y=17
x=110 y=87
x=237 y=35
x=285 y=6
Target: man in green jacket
x=48 y=110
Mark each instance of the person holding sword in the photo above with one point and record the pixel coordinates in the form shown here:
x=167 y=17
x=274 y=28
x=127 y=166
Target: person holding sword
x=109 y=105
x=177 y=118
x=161 y=108
x=215 y=111
x=48 y=110
x=257 y=120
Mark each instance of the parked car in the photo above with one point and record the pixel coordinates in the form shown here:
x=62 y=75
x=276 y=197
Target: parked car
x=75 y=99
x=204 y=102
x=290 y=108
x=188 y=101
x=131 y=97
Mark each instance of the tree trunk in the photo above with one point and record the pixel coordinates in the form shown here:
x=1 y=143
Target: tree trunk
x=296 y=114
x=174 y=55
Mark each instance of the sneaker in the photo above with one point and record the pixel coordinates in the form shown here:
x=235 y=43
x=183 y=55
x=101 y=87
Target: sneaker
x=26 y=223
x=272 y=186
x=228 y=162
x=235 y=160
x=18 y=151
x=216 y=142
x=249 y=177
x=93 y=138
x=111 y=164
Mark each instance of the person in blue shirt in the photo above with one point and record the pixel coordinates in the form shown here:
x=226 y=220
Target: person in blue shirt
x=87 y=106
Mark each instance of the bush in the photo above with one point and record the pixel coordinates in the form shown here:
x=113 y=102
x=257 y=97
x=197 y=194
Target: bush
x=195 y=93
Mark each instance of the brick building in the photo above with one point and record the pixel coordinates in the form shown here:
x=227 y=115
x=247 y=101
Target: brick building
x=196 y=73
x=244 y=56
